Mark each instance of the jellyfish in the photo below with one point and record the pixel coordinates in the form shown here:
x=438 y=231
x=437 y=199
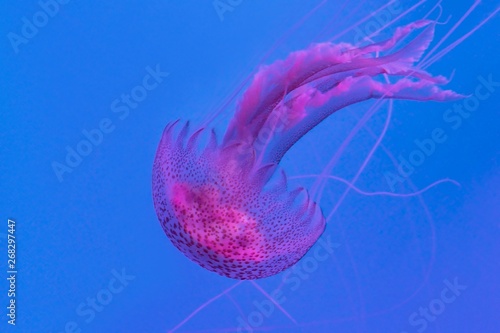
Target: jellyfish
x=225 y=203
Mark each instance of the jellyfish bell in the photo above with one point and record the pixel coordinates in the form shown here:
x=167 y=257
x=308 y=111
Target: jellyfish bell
x=215 y=225
x=240 y=222
x=227 y=206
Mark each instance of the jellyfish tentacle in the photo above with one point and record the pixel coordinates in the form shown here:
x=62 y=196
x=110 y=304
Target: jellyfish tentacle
x=382 y=193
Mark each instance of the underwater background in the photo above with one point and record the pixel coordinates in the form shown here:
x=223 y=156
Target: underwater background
x=91 y=255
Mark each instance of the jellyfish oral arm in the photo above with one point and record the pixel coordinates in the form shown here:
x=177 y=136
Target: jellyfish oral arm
x=312 y=84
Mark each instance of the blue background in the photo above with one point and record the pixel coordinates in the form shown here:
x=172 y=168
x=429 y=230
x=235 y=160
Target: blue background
x=394 y=254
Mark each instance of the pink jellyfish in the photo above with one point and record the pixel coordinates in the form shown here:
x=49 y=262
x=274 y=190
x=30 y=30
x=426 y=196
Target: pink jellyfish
x=226 y=205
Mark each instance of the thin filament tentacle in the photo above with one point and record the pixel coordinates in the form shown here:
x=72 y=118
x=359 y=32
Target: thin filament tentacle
x=382 y=193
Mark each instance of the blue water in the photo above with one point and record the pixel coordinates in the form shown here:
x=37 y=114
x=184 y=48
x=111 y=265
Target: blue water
x=90 y=253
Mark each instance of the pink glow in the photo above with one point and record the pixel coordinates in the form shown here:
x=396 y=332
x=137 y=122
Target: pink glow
x=227 y=206
x=325 y=175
